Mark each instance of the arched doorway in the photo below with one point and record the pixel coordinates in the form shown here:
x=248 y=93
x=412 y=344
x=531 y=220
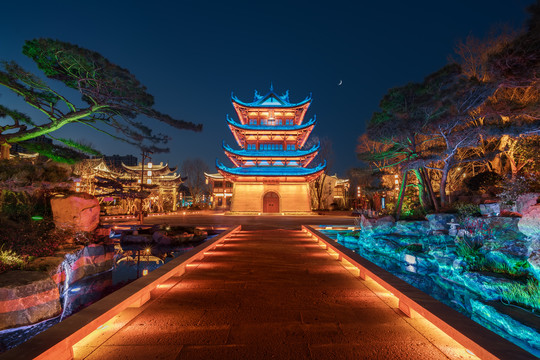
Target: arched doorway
x=271 y=202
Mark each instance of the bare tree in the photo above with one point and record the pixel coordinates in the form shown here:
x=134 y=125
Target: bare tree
x=194 y=169
x=320 y=186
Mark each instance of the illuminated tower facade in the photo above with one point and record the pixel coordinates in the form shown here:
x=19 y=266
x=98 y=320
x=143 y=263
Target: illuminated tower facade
x=271 y=173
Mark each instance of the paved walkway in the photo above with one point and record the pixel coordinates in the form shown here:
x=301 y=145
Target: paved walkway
x=263 y=222
x=273 y=294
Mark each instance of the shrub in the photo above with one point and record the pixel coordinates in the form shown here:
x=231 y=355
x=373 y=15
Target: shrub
x=471 y=254
x=465 y=210
x=389 y=208
x=483 y=181
x=9 y=260
x=415 y=248
x=32 y=238
x=24 y=172
x=513 y=188
x=526 y=295
x=21 y=206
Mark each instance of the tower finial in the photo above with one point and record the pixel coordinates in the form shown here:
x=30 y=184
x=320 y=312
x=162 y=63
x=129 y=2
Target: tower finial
x=271 y=86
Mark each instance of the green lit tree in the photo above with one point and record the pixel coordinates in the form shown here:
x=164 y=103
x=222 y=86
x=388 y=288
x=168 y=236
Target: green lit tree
x=426 y=126
x=400 y=128
x=113 y=100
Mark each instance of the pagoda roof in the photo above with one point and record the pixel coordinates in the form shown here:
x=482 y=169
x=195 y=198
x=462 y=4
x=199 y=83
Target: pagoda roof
x=100 y=166
x=272 y=153
x=271 y=99
x=157 y=169
x=216 y=176
x=270 y=171
x=311 y=122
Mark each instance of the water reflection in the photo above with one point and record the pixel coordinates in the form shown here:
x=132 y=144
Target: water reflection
x=130 y=263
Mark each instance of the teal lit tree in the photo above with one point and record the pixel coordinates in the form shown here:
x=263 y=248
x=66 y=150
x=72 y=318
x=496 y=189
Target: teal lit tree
x=113 y=100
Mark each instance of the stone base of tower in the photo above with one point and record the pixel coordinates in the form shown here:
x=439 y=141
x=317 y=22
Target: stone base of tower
x=258 y=197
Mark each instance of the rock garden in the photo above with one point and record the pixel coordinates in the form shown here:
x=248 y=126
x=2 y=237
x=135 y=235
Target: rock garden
x=487 y=267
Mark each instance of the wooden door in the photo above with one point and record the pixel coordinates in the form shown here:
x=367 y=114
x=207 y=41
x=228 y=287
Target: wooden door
x=271 y=202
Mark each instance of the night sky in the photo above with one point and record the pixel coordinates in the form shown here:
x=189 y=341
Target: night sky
x=192 y=54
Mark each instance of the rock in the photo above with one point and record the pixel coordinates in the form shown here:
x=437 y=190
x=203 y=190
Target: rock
x=365 y=224
x=413 y=227
x=485 y=286
x=513 y=253
x=164 y=240
x=161 y=238
x=384 y=223
x=529 y=224
x=76 y=212
x=534 y=257
x=500 y=228
x=100 y=232
x=49 y=264
x=496 y=319
x=157 y=235
x=491 y=209
x=27 y=297
x=525 y=201
x=459 y=264
x=137 y=239
x=200 y=232
x=439 y=222
x=92 y=259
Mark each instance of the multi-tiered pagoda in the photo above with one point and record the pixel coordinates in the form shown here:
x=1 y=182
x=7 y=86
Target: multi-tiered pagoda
x=271 y=173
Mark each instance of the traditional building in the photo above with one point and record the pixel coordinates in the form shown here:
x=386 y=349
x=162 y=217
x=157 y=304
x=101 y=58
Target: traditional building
x=220 y=190
x=333 y=195
x=163 y=196
x=271 y=173
x=120 y=190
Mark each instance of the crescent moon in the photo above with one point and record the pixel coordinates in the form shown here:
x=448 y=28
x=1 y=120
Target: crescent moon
x=340 y=82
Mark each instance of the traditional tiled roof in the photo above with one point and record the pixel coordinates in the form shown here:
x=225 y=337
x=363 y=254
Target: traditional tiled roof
x=271 y=170
x=311 y=122
x=216 y=176
x=272 y=153
x=271 y=99
x=156 y=169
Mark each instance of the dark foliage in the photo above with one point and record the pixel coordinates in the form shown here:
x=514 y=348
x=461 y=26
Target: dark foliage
x=484 y=181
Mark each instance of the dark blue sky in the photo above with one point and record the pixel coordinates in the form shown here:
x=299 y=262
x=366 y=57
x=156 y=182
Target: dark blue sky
x=192 y=54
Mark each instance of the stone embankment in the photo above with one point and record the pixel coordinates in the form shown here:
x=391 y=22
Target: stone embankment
x=475 y=262
x=28 y=297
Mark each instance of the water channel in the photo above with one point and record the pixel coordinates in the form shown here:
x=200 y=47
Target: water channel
x=130 y=263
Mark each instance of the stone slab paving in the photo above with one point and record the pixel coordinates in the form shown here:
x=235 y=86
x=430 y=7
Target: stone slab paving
x=273 y=294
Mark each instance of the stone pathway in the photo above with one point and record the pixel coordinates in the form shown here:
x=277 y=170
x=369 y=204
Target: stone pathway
x=273 y=294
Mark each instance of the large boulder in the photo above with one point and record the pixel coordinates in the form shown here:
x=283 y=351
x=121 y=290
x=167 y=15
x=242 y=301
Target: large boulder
x=76 y=212
x=384 y=223
x=513 y=253
x=87 y=261
x=525 y=201
x=413 y=227
x=27 y=297
x=529 y=225
x=534 y=257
